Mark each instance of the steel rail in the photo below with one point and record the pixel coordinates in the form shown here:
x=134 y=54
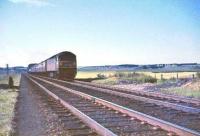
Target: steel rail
x=154 y=94
x=86 y=119
x=135 y=114
x=144 y=99
x=139 y=98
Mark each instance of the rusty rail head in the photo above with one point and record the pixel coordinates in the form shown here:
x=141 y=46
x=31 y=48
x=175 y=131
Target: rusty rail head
x=135 y=114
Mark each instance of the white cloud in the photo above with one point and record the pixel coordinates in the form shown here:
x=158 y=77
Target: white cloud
x=33 y=2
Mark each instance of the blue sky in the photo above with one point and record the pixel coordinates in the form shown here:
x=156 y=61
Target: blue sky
x=100 y=32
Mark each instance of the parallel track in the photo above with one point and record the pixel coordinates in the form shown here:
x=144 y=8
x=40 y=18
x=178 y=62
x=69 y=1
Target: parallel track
x=192 y=102
x=177 y=129
x=179 y=103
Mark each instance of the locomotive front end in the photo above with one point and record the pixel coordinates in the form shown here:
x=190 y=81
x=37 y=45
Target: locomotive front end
x=67 y=66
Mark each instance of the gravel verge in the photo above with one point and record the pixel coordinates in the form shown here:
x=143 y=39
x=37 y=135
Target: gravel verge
x=33 y=116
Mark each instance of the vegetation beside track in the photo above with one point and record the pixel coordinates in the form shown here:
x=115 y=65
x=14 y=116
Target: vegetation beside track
x=7 y=103
x=165 y=75
x=183 y=92
x=191 y=89
x=128 y=77
x=121 y=78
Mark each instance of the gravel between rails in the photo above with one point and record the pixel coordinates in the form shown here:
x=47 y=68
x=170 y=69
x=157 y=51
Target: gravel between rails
x=38 y=115
x=111 y=119
x=188 y=120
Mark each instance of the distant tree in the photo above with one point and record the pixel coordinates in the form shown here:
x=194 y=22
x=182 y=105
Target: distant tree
x=101 y=75
x=144 y=67
x=149 y=79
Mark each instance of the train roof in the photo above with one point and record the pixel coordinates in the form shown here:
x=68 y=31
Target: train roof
x=32 y=64
x=61 y=53
x=58 y=54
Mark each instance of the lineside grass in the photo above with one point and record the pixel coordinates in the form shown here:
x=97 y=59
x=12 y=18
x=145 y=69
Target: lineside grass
x=7 y=104
x=191 y=89
x=183 y=92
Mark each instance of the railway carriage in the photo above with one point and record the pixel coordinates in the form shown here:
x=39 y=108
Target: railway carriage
x=62 y=65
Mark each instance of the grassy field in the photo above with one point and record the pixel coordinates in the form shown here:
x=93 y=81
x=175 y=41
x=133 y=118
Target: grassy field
x=7 y=103
x=113 y=78
x=94 y=74
x=169 y=75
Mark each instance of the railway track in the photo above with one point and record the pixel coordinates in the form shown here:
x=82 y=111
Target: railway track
x=155 y=95
x=178 y=103
x=123 y=114
x=72 y=125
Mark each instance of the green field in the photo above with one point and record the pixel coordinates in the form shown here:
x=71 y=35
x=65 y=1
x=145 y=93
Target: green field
x=7 y=103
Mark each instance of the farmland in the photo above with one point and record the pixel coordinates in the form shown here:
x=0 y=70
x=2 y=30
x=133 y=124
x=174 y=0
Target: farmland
x=185 y=85
x=166 y=75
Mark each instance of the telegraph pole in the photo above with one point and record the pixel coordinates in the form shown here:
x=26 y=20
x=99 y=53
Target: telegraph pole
x=7 y=69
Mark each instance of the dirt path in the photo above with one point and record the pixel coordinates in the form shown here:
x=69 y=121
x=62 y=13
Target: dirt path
x=33 y=118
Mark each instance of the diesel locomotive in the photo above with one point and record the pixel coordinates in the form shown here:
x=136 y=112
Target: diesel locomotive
x=62 y=66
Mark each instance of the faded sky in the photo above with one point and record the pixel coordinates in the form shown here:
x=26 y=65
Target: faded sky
x=100 y=32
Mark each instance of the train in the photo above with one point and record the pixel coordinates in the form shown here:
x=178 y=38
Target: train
x=62 y=66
